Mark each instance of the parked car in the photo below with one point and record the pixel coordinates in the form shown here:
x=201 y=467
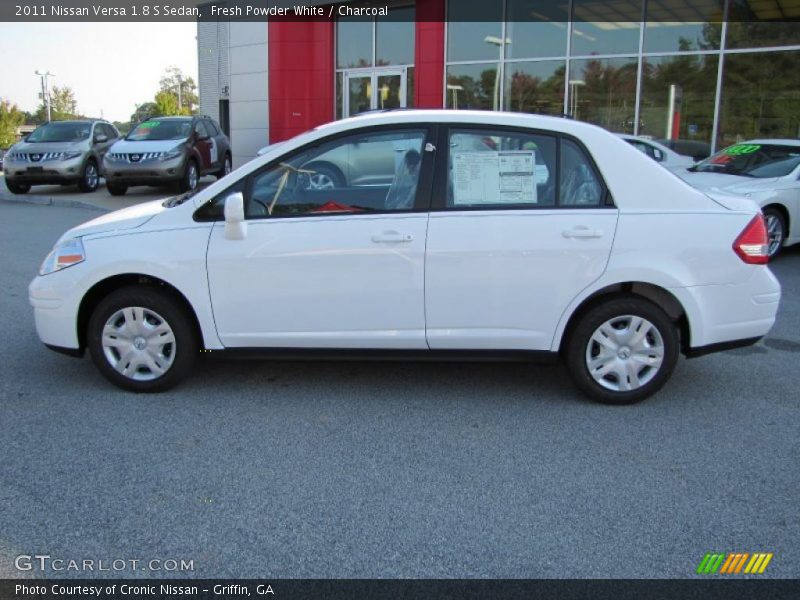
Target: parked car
x=659 y=153
x=60 y=152
x=2 y=156
x=609 y=262
x=767 y=171
x=694 y=148
x=168 y=151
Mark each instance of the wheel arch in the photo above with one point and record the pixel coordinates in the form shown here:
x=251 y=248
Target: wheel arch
x=104 y=287
x=658 y=295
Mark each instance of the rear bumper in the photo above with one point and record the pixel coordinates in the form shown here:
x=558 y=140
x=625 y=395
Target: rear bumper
x=720 y=347
x=730 y=315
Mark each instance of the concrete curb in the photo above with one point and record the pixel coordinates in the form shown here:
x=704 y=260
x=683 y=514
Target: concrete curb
x=50 y=201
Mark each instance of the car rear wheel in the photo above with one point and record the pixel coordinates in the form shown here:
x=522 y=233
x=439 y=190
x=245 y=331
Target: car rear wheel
x=226 y=167
x=323 y=178
x=190 y=177
x=776 y=230
x=90 y=178
x=116 y=189
x=17 y=188
x=622 y=350
x=141 y=339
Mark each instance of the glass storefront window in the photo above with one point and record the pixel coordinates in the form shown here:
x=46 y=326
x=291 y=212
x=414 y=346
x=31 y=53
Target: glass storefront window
x=535 y=87
x=353 y=43
x=473 y=86
x=757 y=24
x=394 y=38
x=602 y=27
x=603 y=92
x=677 y=101
x=760 y=97
x=536 y=28
x=683 y=25
x=474 y=31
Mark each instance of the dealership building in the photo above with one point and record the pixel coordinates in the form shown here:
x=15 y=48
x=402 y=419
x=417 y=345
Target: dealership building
x=700 y=74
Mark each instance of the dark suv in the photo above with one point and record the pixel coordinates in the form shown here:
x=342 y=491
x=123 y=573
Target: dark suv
x=168 y=150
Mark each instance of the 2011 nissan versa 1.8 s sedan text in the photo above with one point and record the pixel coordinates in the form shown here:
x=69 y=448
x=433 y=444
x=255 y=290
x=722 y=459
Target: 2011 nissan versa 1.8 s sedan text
x=499 y=236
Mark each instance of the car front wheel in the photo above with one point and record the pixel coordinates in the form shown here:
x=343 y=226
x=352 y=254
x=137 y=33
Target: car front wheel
x=190 y=177
x=17 y=188
x=776 y=230
x=141 y=339
x=622 y=350
x=116 y=189
x=90 y=178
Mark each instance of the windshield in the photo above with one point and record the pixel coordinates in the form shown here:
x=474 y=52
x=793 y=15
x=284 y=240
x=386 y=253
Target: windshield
x=752 y=160
x=173 y=129
x=61 y=132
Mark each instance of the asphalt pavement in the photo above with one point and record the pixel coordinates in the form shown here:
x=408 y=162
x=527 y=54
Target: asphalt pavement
x=283 y=469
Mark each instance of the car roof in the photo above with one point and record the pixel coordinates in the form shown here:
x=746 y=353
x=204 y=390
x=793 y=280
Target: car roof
x=779 y=141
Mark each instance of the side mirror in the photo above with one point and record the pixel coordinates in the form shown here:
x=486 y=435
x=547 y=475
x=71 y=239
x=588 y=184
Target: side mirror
x=658 y=154
x=235 y=225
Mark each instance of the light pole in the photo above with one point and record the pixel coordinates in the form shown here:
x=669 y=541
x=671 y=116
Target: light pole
x=455 y=88
x=574 y=84
x=45 y=90
x=499 y=42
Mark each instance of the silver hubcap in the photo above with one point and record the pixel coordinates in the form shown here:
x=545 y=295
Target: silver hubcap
x=320 y=181
x=625 y=353
x=775 y=233
x=192 y=177
x=91 y=175
x=138 y=343
x=227 y=166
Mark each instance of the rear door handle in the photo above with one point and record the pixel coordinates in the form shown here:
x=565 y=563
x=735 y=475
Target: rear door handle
x=392 y=237
x=582 y=232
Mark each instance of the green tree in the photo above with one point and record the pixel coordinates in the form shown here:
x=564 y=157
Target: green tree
x=167 y=104
x=174 y=81
x=10 y=118
x=63 y=105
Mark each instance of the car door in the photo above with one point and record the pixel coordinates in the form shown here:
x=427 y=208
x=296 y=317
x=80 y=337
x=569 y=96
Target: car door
x=205 y=146
x=326 y=268
x=520 y=225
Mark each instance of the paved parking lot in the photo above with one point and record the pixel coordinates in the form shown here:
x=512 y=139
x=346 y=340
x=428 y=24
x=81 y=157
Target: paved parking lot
x=392 y=470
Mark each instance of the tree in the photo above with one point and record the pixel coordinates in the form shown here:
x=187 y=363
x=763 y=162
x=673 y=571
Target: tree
x=10 y=118
x=167 y=104
x=63 y=105
x=144 y=112
x=174 y=81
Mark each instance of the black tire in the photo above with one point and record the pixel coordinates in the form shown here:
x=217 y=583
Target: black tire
x=90 y=177
x=227 y=166
x=116 y=189
x=580 y=346
x=322 y=171
x=775 y=219
x=160 y=305
x=185 y=185
x=17 y=188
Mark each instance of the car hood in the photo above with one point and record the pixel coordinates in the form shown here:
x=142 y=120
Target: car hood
x=126 y=146
x=43 y=147
x=733 y=184
x=127 y=218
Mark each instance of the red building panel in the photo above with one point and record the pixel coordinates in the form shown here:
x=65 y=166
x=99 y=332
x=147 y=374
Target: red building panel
x=429 y=54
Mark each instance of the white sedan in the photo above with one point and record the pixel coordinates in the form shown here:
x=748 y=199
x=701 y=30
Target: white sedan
x=666 y=157
x=768 y=172
x=499 y=236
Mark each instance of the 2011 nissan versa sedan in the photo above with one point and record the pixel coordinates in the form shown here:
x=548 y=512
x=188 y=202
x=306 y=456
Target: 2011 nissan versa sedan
x=609 y=261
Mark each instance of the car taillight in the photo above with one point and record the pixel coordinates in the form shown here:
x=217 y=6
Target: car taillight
x=752 y=245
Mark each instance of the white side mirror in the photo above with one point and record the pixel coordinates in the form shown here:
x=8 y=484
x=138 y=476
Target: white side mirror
x=235 y=225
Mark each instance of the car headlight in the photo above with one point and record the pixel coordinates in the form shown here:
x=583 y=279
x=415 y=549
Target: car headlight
x=170 y=155
x=63 y=255
x=113 y=157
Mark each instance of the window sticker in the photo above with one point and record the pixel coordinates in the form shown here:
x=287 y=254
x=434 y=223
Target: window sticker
x=149 y=124
x=494 y=178
x=740 y=149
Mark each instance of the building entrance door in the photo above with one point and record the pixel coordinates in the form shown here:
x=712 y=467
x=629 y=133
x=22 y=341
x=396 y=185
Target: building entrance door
x=373 y=89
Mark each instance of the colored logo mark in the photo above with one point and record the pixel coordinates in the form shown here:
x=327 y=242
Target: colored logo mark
x=734 y=563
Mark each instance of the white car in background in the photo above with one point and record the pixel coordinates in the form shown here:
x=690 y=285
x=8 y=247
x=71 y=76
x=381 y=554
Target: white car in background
x=766 y=171
x=499 y=236
x=658 y=152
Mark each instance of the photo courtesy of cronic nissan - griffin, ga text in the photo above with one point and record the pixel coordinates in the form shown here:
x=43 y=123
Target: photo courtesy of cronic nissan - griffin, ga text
x=490 y=236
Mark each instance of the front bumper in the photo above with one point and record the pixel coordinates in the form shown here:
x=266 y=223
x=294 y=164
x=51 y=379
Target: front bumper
x=55 y=300
x=151 y=172
x=43 y=173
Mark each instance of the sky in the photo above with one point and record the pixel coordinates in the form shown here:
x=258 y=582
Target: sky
x=111 y=67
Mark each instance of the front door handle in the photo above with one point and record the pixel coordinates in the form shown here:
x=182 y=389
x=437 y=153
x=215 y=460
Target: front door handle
x=392 y=237
x=582 y=232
